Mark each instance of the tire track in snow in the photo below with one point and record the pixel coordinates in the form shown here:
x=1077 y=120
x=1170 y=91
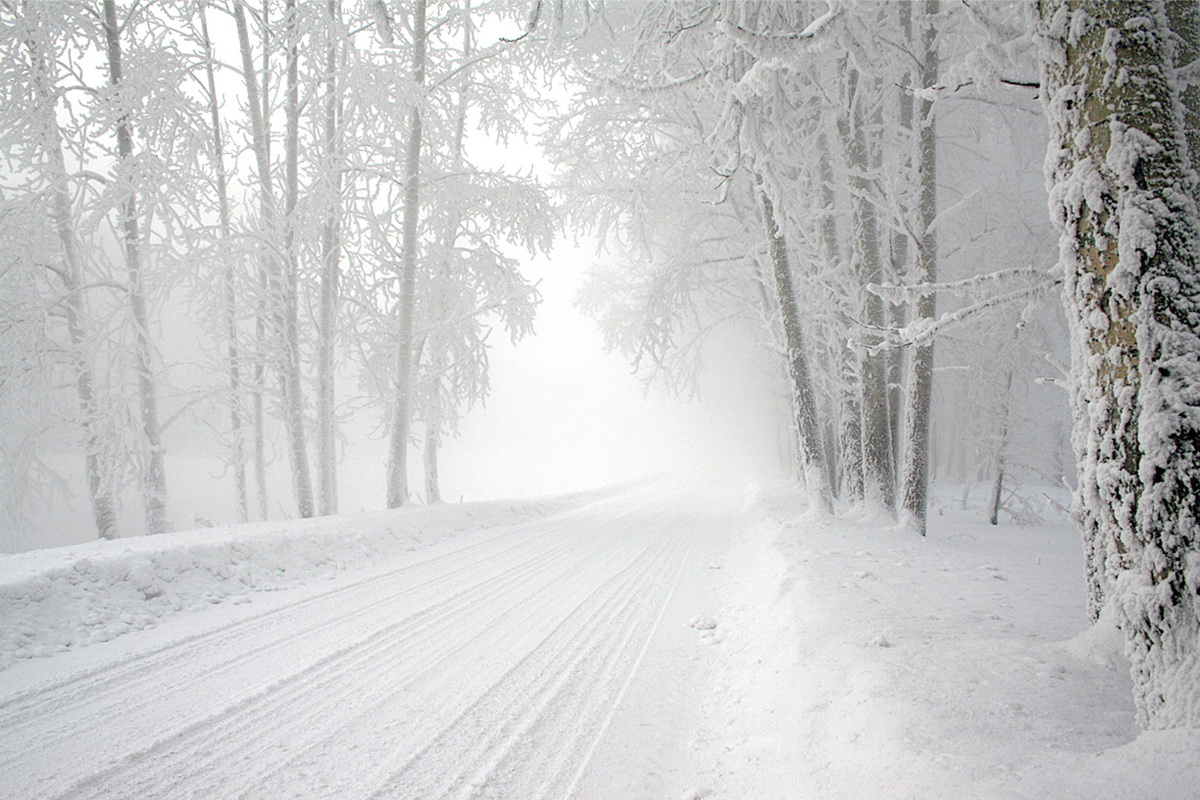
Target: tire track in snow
x=498 y=734
x=123 y=694
x=243 y=733
x=490 y=668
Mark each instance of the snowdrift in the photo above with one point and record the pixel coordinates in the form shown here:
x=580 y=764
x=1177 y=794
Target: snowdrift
x=67 y=597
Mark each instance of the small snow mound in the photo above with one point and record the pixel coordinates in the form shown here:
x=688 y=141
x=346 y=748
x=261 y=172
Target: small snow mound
x=702 y=623
x=696 y=794
x=879 y=641
x=1102 y=643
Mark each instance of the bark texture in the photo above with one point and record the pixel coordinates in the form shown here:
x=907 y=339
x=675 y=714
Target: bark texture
x=804 y=406
x=879 y=478
x=915 y=475
x=1124 y=200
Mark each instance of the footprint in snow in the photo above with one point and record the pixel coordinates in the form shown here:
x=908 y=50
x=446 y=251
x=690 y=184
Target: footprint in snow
x=707 y=628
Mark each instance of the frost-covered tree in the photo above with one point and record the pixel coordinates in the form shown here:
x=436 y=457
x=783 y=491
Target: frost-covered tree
x=153 y=475
x=914 y=483
x=47 y=291
x=1123 y=197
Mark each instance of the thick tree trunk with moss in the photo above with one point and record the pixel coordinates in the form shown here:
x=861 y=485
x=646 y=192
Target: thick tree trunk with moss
x=1123 y=199
x=1184 y=18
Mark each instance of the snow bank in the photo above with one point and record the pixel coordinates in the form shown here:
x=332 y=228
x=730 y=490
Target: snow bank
x=861 y=661
x=67 y=597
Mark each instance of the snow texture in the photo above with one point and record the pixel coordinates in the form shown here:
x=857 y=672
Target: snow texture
x=70 y=597
x=657 y=642
x=861 y=662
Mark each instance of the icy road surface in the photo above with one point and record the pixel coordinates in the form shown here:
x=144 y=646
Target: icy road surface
x=549 y=659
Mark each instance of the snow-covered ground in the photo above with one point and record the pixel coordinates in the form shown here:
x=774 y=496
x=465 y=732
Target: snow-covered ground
x=658 y=640
x=861 y=662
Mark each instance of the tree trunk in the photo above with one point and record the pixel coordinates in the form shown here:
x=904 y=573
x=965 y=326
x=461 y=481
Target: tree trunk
x=280 y=277
x=230 y=295
x=100 y=482
x=994 y=501
x=1184 y=18
x=330 y=275
x=804 y=405
x=293 y=393
x=1123 y=201
x=433 y=489
x=850 y=411
x=915 y=480
x=258 y=132
x=397 y=485
x=879 y=483
x=153 y=477
x=898 y=312
x=449 y=238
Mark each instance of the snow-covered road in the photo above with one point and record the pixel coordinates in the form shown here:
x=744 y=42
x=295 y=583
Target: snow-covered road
x=549 y=659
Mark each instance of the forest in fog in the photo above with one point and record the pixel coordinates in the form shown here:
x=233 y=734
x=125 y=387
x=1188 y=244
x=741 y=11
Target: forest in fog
x=258 y=231
x=227 y=224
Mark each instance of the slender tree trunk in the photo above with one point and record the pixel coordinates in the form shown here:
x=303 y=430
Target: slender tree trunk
x=281 y=274
x=1122 y=197
x=293 y=393
x=804 y=405
x=449 y=237
x=230 y=295
x=153 y=478
x=879 y=483
x=397 y=484
x=100 y=482
x=433 y=490
x=898 y=312
x=994 y=501
x=850 y=412
x=330 y=274
x=258 y=132
x=915 y=476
